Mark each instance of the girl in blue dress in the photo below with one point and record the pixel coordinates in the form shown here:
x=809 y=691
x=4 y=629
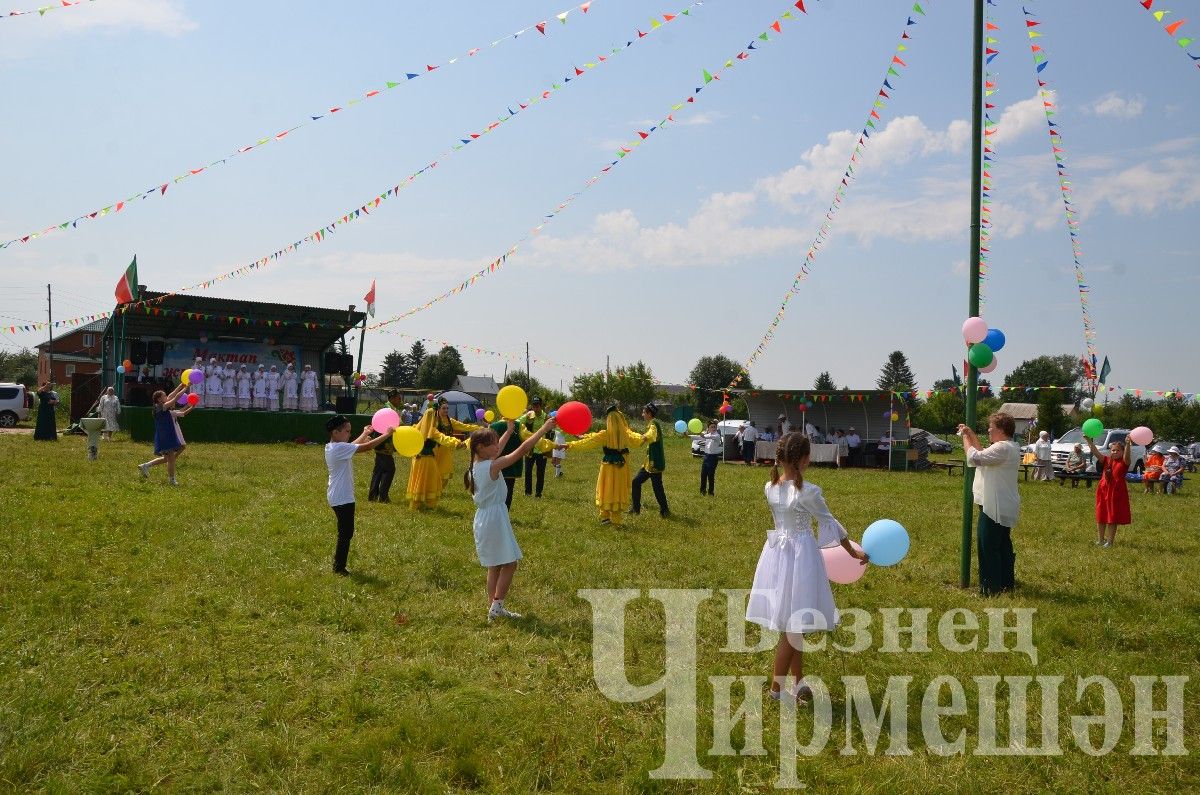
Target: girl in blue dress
x=495 y=543
x=168 y=438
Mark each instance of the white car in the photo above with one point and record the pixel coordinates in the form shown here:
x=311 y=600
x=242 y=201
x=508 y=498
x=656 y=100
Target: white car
x=12 y=405
x=726 y=427
x=1065 y=444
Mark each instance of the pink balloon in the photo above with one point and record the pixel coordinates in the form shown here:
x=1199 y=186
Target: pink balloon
x=975 y=330
x=1141 y=435
x=384 y=420
x=840 y=567
x=991 y=366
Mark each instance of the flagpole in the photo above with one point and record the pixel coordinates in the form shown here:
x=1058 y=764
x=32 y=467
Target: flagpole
x=968 y=502
x=361 y=339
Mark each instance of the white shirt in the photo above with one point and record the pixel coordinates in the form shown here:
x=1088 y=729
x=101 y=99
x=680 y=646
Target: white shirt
x=995 y=487
x=713 y=444
x=749 y=433
x=341 y=472
x=853 y=440
x=786 y=427
x=885 y=442
x=809 y=429
x=1042 y=449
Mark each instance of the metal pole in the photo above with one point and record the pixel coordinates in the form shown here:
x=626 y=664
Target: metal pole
x=361 y=339
x=528 y=373
x=968 y=510
x=50 y=326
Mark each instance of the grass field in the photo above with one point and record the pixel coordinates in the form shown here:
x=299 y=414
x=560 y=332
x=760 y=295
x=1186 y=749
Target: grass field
x=193 y=639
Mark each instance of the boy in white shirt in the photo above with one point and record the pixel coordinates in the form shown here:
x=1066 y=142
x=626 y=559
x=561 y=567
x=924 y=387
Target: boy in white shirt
x=340 y=488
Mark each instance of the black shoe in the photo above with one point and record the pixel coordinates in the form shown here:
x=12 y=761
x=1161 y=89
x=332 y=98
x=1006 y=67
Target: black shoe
x=634 y=512
x=370 y=498
x=665 y=514
x=384 y=499
x=341 y=572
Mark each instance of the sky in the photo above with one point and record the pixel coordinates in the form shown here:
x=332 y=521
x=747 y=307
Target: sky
x=686 y=247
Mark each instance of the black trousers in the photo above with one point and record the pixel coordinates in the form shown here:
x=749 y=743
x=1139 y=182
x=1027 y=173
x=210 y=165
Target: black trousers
x=535 y=460
x=381 y=477
x=345 y=532
x=748 y=452
x=655 y=479
x=708 y=472
x=997 y=561
x=509 y=483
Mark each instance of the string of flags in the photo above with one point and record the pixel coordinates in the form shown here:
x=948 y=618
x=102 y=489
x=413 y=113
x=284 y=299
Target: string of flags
x=990 y=82
x=848 y=175
x=1172 y=28
x=512 y=357
x=321 y=234
x=1058 y=149
x=383 y=86
x=75 y=321
x=707 y=77
x=41 y=12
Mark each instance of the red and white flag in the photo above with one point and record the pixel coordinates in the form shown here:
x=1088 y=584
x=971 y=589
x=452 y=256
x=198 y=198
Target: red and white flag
x=370 y=299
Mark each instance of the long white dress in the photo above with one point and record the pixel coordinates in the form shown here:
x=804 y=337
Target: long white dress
x=273 y=389
x=214 y=386
x=290 y=392
x=243 y=383
x=260 y=388
x=791 y=590
x=308 y=391
x=109 y=408
x=495 y=543
x=230 y=382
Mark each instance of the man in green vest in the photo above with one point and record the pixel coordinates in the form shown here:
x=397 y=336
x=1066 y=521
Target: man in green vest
x=535 y=419
x=513 y=472
x=656 y=463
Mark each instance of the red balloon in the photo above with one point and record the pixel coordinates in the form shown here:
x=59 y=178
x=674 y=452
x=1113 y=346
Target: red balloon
x=193 y=400
x=574 y=418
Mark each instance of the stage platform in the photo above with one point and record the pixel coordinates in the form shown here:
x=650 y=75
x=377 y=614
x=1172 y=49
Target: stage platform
x=226 y=425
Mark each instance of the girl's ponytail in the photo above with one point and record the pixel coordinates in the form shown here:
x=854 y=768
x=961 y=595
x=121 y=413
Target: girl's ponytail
x=469 y=475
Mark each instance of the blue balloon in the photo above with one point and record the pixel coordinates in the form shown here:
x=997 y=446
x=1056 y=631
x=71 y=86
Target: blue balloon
x=121 y=369
x=994 y=339
x=680 y=426
x=554 y=413
x=885 y=542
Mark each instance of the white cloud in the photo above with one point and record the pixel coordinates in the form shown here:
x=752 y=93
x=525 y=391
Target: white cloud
x=1165 y=183
x=1118 y=107
x=157 y=16
x=1019 y=118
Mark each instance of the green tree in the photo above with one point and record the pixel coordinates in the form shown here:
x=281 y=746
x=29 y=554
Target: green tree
x=550 y=397
x=634 y=385
x=440 y=370
x=593 y=389
x=395 y=365
x=710 y=376
x=19 y=367
x=417 y=356
x=1063 y=370
x=824 y=382
x=897 y=376
x=1050 y=416
x=941 y=413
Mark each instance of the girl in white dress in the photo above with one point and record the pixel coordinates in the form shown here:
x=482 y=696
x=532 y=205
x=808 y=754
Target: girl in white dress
x=243 y=383
x=213 y=385
x=308 y=389
x=290 y=391
x=229 y=382
x=791 y=592
x=495 y=543
x=260 y=387
x=273 y=389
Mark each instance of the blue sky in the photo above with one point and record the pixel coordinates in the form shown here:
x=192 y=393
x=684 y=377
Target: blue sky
x=686 y=247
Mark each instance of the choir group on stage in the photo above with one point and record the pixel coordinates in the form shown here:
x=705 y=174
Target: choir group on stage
x=227 y=387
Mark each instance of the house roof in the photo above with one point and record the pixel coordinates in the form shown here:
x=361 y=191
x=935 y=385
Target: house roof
x=477 y=383
x=95 y=327
x=1028 y=411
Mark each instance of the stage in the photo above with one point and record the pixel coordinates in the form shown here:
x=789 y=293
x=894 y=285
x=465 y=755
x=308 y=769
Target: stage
x=228 y=425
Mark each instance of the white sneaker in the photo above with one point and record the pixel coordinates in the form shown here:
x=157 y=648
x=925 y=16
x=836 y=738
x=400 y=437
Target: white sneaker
x=145 y=470
x=173 y=481
x=494 y=611
x=1106 y=545
x=509 y=614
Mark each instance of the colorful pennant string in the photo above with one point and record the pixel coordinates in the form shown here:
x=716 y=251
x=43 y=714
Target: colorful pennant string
x=1172 y=28
x=512 y=357
x=707 y=78
x=387 y=85
x=1058 y=149
x=990 y=82
x=890 y=80
x=41 y=12
x=319 y=235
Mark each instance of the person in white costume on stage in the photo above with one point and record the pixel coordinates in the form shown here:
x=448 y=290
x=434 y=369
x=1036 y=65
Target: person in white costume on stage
x=273 y=389
x=291 y=383
x=243 y=383
x=214 y=386
x=308 y=389
x=260 y=387
x=229 y=382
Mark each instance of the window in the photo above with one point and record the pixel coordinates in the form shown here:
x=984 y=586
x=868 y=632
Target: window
x=89 y=340
x=8 y=392
x=70 y=370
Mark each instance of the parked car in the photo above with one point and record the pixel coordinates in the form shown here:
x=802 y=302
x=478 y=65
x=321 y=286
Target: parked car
x=13 y=408
x=936 y=444
x=1065 y=444
x=727 y=427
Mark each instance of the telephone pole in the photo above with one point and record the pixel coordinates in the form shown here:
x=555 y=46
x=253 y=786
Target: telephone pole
x=50 y=326
x=528 y=373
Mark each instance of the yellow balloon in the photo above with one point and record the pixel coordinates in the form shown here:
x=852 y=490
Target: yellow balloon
x=408 y=441
x=512 y=402
x=489 y=415
x=895 y=417
x=186 y=377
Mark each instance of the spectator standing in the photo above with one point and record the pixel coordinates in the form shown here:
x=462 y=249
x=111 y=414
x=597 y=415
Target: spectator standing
x=854 y=442
x=749 y=439
x=1043 y=470
x=995 y=492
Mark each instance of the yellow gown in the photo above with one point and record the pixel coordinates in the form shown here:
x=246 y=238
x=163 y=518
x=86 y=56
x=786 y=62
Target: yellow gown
x=425 y=481
x=615 y=481
x=443 y=454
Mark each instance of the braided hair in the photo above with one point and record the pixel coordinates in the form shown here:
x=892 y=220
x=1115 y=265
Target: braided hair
x=791 y=449
x=480 y=438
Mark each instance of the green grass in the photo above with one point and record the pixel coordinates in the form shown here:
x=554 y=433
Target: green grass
x=193 y=638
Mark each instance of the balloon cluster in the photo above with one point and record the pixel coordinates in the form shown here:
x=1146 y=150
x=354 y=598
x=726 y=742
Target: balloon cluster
x=725 y=406
x=805 y=405
x=983 y=343
x=359 y=379
x=885 y=542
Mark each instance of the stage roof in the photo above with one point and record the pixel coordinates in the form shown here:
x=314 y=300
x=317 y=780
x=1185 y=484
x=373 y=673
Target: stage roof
x=184 y=316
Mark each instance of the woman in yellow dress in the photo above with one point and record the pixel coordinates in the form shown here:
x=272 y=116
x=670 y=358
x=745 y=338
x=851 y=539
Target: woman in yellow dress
x=448 y=426
x=614 y=483
x=425 y=481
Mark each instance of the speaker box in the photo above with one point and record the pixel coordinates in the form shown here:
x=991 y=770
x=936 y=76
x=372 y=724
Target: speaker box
x=345 y=404
x=137 y=352
x=154 y=352
x=347 y=364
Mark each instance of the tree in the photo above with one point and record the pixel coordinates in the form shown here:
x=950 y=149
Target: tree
x=532 y=386
x=1050 y=416
x=440 y=370
x=1063 y=370
x=941 y=413
x=634 y=385
x=19 y=367
x=591 y=388
x=712 y=375
x=395 y=367
x=897 y=376
x=824 y=382
x=416 y=356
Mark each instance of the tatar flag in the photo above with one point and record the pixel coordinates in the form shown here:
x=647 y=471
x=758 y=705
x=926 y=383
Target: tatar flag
x=1104 y=371
x=127 y=287
x=370 y=299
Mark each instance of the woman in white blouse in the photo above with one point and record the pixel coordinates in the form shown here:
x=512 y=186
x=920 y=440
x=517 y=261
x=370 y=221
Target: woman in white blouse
x=995 y=491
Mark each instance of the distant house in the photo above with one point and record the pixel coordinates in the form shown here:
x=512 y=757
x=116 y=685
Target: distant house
x=77 y=351
x=480 y=387
x=1025 y=415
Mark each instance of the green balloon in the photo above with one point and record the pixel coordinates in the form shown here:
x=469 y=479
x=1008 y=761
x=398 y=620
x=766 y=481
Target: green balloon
x=980 y=355
x=695 y=425
x=1093 y=428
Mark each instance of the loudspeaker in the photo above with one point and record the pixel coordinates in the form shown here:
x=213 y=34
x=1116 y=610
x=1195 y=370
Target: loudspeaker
x=154 y=352
x=345 y=404
x=347 y=364
x=137 y=352
x=339 y=363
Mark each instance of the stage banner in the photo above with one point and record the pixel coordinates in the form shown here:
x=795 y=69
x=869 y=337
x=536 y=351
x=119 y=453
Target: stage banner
x=181 y=354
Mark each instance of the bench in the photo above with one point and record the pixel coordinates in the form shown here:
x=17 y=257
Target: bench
x=1075 y=477
x=949 y=466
